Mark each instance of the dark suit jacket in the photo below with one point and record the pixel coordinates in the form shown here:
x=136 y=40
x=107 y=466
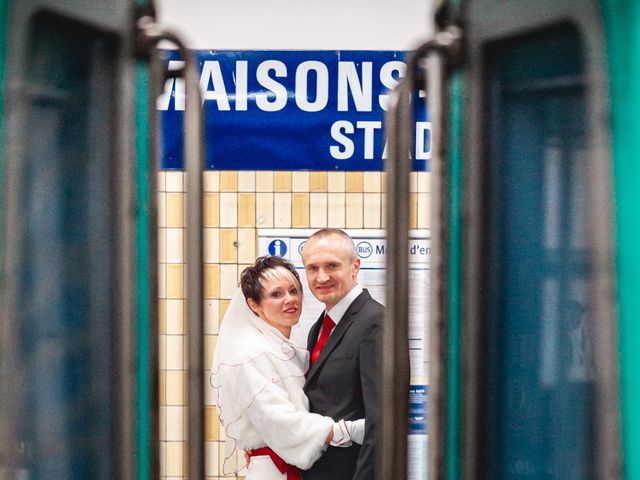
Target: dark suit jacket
x=345 y=383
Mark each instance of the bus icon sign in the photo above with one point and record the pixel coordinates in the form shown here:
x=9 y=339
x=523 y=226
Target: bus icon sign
x=364 y=249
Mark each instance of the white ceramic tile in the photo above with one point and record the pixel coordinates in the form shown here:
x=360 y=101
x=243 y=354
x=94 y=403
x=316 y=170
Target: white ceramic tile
x=246 y=181
x=282 y=210
x=318 y=210
x=174 y=181
x=264 y=210
x=175 y=352
x=211 y=317
x=228 y=280
x=175 y=423
x=175 y=245
x=228 y=209
x=175 y=316
x=211 y=245
x=337 y=210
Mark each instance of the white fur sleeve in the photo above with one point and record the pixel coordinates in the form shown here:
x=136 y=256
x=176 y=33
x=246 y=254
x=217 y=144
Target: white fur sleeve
x=296 y=435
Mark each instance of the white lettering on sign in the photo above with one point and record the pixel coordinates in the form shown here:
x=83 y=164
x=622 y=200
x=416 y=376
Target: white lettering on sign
x=389 y=80
x=354 y=84
x=276 y=99
x=342 y=132
x=311 y=93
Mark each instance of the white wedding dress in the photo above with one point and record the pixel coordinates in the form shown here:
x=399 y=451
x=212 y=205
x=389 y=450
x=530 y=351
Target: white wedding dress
x=258 y=376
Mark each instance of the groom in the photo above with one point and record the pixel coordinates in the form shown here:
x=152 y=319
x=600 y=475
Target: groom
x=343 y=379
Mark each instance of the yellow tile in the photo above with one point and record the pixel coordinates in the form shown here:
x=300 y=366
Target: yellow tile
x=209 y=348
x=229 y=181
x=211 y=281
x=228 y=280
x=318 y=210
x=336 y=210
x=318 y=182
x=354 y=210
x=413 y=210
x=162 y=387
x=246 y=209
x=162 y=209
x=174 y=459
x=282 y=182
x=424 y=182
x=175 y=209
x=228 y=248
x=372 y=210
x=211 y=317
x=264 y=181
x=175 y=387
x=175 y=281
x=355 y=182
x=247 y=251
x=211 y=209
x=300 y=181
x=162 y=316
x=223 y=309
x=228 y=209
x=413 y=182
x=337 y=182
x=264 y=210
x=300 y=210
x=162 y=181
x=372 y=182
x=211 y=424
x=175 y=316
x=246 y=181
x=174 y=181
x=383 y=181
x=424 y=210
x=211 y=181
x=211 y=245
x=282 y=210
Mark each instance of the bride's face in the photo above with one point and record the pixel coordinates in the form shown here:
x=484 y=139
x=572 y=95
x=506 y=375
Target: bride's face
x=280 y=305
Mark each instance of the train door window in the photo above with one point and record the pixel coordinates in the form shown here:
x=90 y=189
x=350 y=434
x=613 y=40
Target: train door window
x=58 y=353
x=538 y=371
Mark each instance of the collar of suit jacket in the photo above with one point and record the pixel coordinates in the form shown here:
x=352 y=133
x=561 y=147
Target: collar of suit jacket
x=338 y=310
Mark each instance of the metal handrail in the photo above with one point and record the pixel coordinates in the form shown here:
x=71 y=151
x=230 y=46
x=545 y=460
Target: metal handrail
x=193 y=162
x=395 y=367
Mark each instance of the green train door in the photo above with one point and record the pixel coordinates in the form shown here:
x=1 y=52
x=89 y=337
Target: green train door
x=539 y=358
x=68 y=326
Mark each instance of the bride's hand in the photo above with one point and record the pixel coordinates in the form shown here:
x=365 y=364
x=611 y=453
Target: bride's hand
x=345 y=432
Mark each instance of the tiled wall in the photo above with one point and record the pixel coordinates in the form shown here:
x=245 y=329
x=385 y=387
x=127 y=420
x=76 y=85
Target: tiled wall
x=236 y=204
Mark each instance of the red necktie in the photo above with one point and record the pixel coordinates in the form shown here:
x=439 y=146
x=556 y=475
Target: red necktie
x=327 y=326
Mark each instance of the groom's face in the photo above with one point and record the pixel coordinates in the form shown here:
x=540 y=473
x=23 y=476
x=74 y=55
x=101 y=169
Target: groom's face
x=331 y=272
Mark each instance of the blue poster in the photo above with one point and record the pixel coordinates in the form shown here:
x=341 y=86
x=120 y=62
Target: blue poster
x=291 y=110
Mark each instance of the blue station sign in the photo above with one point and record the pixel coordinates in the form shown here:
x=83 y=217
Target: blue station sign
x=291 y=110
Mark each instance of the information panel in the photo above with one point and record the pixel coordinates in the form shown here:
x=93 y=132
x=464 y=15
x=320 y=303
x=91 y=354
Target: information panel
x=371 y=249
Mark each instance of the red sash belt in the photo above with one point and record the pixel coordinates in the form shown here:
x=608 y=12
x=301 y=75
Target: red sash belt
x=292 y=471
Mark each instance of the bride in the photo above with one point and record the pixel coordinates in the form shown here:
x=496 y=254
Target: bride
x=258 y=375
